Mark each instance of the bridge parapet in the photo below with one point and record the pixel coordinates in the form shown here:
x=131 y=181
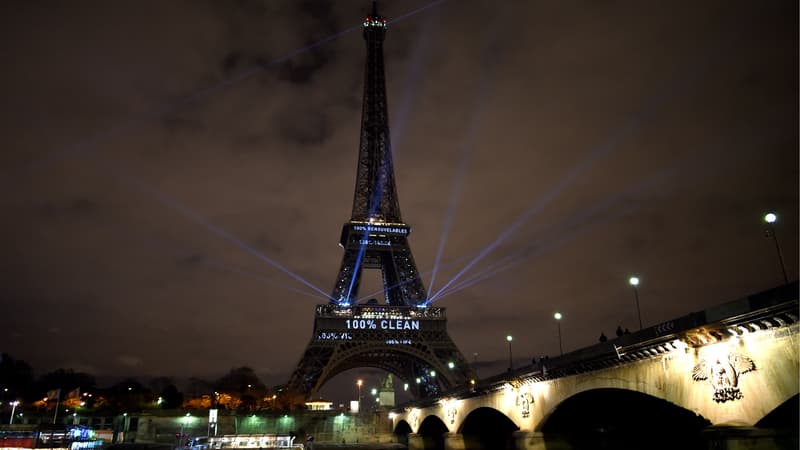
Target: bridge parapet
x=767 y=310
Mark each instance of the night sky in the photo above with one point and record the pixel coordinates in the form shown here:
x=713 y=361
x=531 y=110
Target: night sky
x=166 y=165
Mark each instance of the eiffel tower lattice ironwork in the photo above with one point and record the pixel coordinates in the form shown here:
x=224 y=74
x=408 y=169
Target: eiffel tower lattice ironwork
x=403 y=336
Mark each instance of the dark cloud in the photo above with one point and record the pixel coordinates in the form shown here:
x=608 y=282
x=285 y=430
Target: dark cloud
x=302 y=69
x=231 y=62
x=175 y=124
x=78 y=207
x=191 y=260
x=304 y=128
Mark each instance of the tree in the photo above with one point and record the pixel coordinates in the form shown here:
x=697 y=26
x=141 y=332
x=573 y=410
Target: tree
x=127 y=396
x=158 y=384
x=240 y=389
x=197 y=387
x=66 y=380
x=17 y=377
x=241 y=380
x=171 y=398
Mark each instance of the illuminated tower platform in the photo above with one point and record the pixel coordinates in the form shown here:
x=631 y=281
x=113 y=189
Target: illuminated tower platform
x=411 y=343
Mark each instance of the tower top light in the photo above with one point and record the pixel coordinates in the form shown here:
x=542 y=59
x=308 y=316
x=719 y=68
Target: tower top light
x=374 y=19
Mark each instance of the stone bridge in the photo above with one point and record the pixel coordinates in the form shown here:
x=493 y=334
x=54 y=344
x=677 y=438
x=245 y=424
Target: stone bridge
x=725 y=377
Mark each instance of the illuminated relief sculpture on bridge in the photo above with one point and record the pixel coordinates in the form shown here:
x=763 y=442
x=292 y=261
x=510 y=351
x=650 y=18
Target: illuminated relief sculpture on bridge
x=723 y=375
x=450 y=412
x=524 y=401
x=414 y=416
x=450 y=409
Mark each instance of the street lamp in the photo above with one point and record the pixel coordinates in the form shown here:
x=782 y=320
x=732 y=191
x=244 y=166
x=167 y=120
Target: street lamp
x=558 y=317
x=13 y=409
x=184 y=422
x=509 y=338
x=770 y=218
x=359 y=383
x=634 y=281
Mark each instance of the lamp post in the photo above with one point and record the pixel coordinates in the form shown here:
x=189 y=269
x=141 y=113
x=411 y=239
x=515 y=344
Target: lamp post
x=126 y=424
x=558 y=317
x=13 y=409
x=180 y=437
x=509 y=338
x=634 y=281
x=184 y=422
x=770 y=218
x=359 y=383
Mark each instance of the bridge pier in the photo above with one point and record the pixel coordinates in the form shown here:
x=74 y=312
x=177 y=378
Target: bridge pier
x=454 y=441
x=418 y=441
x=535 y=440
x=415 y=442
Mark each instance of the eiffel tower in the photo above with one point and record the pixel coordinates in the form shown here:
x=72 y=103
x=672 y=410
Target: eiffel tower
x=404 y=335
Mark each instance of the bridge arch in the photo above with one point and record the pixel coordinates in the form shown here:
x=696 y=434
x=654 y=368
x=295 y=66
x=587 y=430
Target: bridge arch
x=622 y=418
x=486 y=427
x=433 y=430
x=785 y=415
x=401 y=432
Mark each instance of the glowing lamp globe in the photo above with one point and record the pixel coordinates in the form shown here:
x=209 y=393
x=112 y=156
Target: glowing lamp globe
x=770 y=218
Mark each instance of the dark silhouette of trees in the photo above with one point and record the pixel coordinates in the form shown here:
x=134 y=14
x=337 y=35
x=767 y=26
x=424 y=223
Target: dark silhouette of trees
x=197 y=387
x=171 y=398
x=66 y=380
x=127 y=396
x=241 y=389
x=158 y=384
x=16 y=376
x=242 y=380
